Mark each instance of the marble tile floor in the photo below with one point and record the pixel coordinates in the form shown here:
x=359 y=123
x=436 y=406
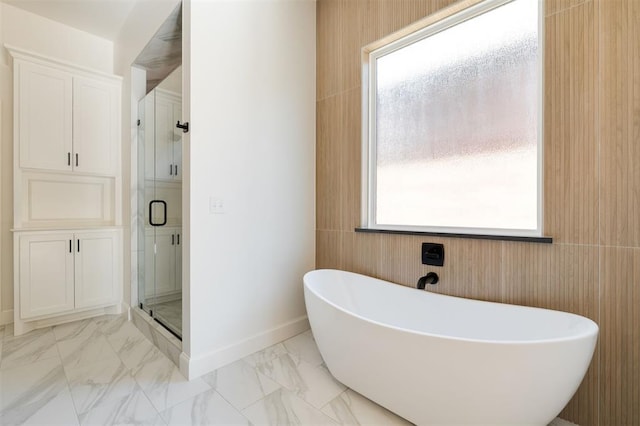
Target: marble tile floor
x=103 y=371
x=170 y=313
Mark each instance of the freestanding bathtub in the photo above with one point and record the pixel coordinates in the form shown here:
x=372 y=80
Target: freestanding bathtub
x=442 y=360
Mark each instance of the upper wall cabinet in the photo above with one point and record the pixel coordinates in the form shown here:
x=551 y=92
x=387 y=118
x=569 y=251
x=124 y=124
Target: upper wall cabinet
x=163 y=145
x=67 y=121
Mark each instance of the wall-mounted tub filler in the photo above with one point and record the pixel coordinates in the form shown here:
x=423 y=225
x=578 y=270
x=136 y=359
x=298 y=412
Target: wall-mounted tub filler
x=442 y=360
x=431 y=278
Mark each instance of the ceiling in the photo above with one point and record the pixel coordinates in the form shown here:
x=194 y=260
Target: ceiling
x=103 y=18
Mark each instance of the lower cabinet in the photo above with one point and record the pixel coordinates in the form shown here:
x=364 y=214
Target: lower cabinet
x=61 y=272
x=163 y=261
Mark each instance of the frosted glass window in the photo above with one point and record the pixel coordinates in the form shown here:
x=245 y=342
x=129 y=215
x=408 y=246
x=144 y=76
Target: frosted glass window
x=454 y=126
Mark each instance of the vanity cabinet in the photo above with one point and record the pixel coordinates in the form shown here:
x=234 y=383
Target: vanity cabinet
x=165 y=268
x=66 y=122
x=64 y=272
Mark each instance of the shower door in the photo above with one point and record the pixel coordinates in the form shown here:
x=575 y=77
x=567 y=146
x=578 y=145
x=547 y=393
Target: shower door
x=159 y=209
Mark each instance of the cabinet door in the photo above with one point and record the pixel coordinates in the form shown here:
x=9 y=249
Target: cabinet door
x=44 y=108
x=149 y=265
x=164 y=138
x=165 y=261
x=95 y=126
x=147 y=122
x=178 y=283
x=46 y=274
x=97 y=268
x=177 y=141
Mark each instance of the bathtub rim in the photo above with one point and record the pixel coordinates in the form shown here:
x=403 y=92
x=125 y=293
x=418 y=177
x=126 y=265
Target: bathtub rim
x=592 y=331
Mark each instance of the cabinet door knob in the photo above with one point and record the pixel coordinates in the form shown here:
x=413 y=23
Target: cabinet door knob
x=170 y=169
x=78 y=245
x=68 y=158
x=70 y=248
x=76 y=160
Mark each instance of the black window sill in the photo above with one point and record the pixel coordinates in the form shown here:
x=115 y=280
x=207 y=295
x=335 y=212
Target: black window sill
x=542 y=240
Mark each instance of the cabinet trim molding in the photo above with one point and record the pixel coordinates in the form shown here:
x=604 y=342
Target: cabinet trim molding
x=23 y=54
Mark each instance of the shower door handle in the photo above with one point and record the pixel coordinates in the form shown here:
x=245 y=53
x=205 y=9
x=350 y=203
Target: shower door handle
x=164 y=213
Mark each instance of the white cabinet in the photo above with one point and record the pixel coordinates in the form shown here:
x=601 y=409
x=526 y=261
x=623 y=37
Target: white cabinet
x=163 y=141
x=96 y=269
x=96 y=130
x=67 y=122
x=67 y=192
x=44 y=107
x=46 y=274
x=165 y=268
x=63 y=272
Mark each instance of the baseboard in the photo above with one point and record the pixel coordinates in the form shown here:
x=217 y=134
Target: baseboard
x=195 y=367
x=6 y=317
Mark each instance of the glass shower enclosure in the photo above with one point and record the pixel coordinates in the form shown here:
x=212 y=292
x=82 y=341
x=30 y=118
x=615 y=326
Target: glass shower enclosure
x=160 y=232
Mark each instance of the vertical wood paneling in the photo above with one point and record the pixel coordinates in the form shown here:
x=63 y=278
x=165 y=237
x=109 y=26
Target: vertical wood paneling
x=620 y=337
x=328 y=170
x=471 y=269
x=399 y=259
x=350 y=160
x=328 y=47
x=592 y=186
x=329 y=257
x=571 y=188
x=620 y=123
x=556 y=6
x=565 y=278
x=397 y=14
x=361 y=251
x=361 y=25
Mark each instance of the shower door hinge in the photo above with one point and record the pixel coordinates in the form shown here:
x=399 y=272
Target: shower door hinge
x=184 y=126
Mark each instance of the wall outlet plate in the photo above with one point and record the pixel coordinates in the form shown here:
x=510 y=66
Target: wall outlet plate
x=432 y=254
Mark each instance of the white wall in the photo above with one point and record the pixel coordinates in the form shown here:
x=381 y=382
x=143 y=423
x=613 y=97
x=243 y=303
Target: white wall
x=251 y=69
x=142 y=23
x=28 y=31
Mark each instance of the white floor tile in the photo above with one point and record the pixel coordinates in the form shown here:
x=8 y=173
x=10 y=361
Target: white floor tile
x=27 y=390
x=56 y=410
x=28 y=348
x=84 y=329
x=314 y=384
x=207 y=408
x=285 y=408
x=304 y=347
x=94 y=371
x=351 y=408
x=163 y=384
x=134 y=408
x=240 y=384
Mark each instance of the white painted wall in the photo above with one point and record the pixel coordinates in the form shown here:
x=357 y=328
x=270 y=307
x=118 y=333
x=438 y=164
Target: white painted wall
x=31 y=32
x=142 y=23
x=251 y=68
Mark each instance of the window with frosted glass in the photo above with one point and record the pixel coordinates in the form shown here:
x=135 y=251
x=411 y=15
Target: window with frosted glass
x=454 y=126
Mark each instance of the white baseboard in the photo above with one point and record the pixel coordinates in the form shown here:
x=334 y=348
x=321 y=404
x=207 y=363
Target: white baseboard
x=6 y=317
x=196 y=367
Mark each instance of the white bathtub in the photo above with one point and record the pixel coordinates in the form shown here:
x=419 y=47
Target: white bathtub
x=441 y=360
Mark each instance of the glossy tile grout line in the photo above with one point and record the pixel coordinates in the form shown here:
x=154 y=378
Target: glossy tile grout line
x=105 y=371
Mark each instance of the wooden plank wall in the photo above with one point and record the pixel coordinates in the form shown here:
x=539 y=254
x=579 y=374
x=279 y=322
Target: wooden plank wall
x=592 y=185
